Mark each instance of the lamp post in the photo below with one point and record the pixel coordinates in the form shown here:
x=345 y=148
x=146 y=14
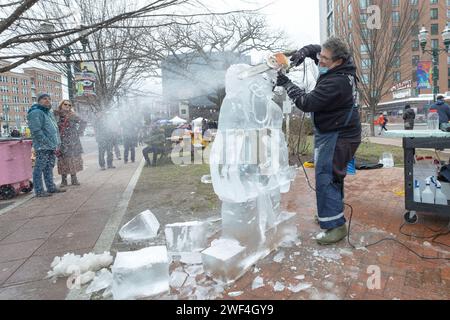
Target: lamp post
x=48 y=27
x=6 y=126
x=423 y=39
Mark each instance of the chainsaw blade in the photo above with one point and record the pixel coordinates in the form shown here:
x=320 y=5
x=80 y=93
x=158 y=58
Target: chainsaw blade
x=261 y=68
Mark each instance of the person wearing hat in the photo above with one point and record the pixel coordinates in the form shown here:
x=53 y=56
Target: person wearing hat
x=408 y=117
x=442 y=109
x=45 y=136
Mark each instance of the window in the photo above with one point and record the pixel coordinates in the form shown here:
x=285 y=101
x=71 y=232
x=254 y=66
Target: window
x=365 y=78
x=365 y=63
x=434 y=13
x=363 y=4
x=396 y=62
x=433 y=1
x=415 y=60
x=397 y=76
x=434 y=43
x=395 y=17
x=434 y=29
x=415 y=45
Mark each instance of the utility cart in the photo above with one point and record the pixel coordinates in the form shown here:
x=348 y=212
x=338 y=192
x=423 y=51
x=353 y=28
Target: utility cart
x=420 y=139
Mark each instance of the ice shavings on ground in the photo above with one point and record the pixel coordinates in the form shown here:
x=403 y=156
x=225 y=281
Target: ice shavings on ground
x=235 y=293
x=71 y=264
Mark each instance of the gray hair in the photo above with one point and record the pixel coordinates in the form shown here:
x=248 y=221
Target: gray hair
x=338 y=48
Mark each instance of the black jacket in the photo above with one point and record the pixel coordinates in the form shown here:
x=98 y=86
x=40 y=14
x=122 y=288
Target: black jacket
x=443 y=110
x=333 y=101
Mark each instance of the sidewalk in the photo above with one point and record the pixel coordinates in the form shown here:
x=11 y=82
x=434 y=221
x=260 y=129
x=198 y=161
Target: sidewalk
x=32 y=234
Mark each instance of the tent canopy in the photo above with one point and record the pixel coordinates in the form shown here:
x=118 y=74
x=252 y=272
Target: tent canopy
x=177 y=120
x=198 y=120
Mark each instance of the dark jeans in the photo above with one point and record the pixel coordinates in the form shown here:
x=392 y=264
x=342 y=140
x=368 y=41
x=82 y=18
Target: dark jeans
x=155 y=150
x=105 y=147
x=45 y=162
x=129 y=147
x=333 y=156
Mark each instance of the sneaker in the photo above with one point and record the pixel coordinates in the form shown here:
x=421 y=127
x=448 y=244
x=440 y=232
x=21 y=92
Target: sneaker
x=111 y=167
x=58 y=191
x=102 y=168
x=332 y=236
x=43 y=195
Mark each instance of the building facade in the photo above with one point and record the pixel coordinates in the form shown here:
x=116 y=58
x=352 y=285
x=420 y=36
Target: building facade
x=401 y=85
x=18 y=91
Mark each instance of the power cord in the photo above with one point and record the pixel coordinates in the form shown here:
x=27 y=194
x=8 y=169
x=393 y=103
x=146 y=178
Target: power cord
x=434 y=237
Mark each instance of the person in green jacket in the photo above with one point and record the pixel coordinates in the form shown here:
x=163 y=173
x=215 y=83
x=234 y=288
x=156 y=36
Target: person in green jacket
x=46 y=142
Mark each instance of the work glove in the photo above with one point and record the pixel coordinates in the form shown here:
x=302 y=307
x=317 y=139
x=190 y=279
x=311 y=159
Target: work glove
x=309 y=51
x=282 y=80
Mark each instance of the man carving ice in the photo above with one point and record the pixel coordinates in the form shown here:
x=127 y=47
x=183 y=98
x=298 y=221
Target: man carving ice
x=337 y=128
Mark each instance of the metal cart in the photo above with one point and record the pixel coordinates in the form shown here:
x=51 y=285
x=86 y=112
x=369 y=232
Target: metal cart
x=409 y=147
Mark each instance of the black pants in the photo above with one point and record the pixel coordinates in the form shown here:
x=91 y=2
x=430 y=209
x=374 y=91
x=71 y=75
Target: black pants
x=105 y=147
x=155 y=150
x=129 y=147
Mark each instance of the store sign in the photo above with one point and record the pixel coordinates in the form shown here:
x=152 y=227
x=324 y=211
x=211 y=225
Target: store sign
x=402 y=86
x=402 y=90
x=402 y=94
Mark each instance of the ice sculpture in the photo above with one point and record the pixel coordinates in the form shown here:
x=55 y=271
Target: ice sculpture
x=249 y=170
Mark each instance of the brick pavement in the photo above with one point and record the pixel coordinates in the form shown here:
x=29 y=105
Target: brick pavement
x=338 y=272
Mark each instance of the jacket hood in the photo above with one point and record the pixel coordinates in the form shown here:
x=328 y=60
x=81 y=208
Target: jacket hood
x=38 y=106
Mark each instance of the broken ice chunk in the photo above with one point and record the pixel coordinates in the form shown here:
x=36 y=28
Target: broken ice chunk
x=279 y=287
x=299 y=287
x=279 y=257
x=257 y=283
x=206 y=179
x=235 y=293
x=186 y=236
x=191 y=258
x=300 y=277
x=101 y=281
x=144 y=226
x=195 y=270
x=141 y=273
x=177 y=279
x=224 y=257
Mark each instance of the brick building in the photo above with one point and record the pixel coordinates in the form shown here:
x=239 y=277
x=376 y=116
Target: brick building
x=18 y=91
x=434 y=15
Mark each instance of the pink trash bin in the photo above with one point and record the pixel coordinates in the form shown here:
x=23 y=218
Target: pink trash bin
x=15 y=167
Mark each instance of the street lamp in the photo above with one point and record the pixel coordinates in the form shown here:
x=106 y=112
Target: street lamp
x=6 y=112
x=423 y=39
x=67 y=51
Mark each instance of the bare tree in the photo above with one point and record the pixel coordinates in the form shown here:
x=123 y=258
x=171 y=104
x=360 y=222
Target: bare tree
x=27 y=27
x=212 y=44
x=380 y=38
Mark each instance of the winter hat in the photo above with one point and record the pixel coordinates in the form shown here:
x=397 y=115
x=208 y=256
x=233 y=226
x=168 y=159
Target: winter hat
x=42 y=96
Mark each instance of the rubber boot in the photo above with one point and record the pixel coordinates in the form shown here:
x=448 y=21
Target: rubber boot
x=332 y=236
x=74 y=180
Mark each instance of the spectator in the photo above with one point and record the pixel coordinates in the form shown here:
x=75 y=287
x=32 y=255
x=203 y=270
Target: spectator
x=443 y=110
x=156 y=142
x=44 y=132
x=71 y=127
x=104 y=138
x=409 y=116
x=15 y=133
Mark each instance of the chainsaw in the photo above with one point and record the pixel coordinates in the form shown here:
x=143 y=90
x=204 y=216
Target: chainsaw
x=278 y=61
